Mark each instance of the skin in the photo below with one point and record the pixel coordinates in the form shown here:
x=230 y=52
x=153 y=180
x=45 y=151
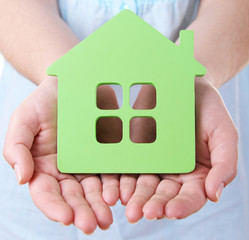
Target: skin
x=30 y=146
x=221 y=36
x=180 y=195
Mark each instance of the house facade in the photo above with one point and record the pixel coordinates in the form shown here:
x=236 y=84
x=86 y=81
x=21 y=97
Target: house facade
x=127 y=51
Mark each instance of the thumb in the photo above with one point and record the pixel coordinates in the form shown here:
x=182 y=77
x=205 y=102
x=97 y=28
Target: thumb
x=23 y=127
x=215 y=131
x=224 y=157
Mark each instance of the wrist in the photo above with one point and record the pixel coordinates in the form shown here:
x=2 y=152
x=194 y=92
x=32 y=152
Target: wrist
x=210 y=79
x=51 y=85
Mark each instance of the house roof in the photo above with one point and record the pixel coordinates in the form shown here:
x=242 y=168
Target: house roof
x=125 y=37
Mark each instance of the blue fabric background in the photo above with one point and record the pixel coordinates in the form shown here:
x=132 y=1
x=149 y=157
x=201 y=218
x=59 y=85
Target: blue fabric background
x=229 y=219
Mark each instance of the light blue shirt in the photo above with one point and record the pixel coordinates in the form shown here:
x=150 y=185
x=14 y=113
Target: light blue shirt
x=229 y=219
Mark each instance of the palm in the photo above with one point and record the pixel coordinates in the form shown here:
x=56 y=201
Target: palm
x=179 y=195
x=61 y=197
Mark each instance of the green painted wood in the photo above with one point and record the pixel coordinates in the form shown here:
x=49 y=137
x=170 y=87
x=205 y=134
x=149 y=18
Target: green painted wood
x=126 y=51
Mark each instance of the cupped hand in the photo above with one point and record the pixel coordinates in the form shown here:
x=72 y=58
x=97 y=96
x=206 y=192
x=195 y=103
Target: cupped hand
x=31 y=149
x=177 y=196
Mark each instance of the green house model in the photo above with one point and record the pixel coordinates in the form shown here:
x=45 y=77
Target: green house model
x=127 y=51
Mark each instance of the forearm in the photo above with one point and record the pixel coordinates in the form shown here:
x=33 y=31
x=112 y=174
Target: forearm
x=33 y=36
x=222 y=38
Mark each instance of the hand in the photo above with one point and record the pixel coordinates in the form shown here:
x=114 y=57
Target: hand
x=177 y=196
x=30 y=148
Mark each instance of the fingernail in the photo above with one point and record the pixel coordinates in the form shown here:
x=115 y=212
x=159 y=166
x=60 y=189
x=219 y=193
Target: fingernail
x=150 y=219
x=132 y=222
x=18 y=173
x=124 y=203
x=172 y=218
x=219 y=191
x=62 y=223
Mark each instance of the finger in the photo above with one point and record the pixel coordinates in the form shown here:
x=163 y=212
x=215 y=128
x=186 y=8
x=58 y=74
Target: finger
x=223 y=145
x=127 y=187
x=46 y=194
x=84 y=217
x=110 y=188
x=23 y=126
x=189 y=200
x=92 y=188
x=142 y=130
x=145 y=188
x=155 y=207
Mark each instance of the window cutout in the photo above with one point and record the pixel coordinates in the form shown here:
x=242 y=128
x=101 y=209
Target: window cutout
x=103 y=93
x=145 y=100
x=143 y=130
x=109 y=130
